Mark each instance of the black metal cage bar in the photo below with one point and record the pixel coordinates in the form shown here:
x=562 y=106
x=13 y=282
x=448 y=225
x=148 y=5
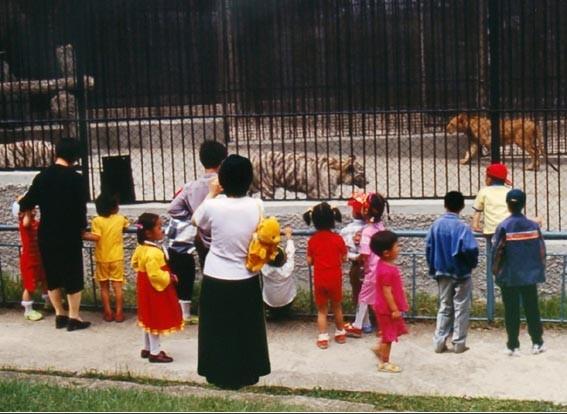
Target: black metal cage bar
x=321 y=94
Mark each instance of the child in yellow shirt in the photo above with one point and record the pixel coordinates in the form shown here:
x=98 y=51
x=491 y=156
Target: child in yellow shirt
x=109 y=254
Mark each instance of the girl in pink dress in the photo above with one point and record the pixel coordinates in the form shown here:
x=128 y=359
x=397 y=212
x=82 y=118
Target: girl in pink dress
x=373 y=210
x=391 y=300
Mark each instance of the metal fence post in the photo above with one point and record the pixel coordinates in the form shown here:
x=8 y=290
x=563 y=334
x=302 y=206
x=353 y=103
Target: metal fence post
x=494 y=81
x=83 y=130
x=2 y=285
x=489 y=281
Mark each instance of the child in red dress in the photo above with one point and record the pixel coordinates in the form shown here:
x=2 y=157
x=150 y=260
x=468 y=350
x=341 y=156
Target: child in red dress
x=327 y=251
x=31 y=267
x=390 y=297
x=158 y=308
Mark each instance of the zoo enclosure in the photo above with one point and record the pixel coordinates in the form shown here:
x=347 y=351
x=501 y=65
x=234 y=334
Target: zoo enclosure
x=413 y=267
x=377 y=79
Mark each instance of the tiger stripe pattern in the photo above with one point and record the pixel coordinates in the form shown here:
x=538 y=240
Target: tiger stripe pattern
x=26 y=154
x=317 y=177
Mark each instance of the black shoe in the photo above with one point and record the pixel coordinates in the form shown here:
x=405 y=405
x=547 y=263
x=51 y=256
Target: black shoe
x=75 y=325
x=61 y=321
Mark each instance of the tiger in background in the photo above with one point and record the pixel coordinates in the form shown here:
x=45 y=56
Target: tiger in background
x=26 y=154
x=317 y=177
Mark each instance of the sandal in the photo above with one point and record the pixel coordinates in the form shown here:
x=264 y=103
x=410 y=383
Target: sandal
x=389 y=367
x=323 y=341
x=340 y=337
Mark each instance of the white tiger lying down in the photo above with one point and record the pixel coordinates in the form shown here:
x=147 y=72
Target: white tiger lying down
x=26 y=154
x=317 y=177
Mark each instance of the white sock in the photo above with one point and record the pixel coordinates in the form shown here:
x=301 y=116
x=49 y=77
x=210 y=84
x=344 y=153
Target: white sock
x=27 y=306
x=154 y=344
x=146 y=341
x=185 y=308
x=45 y=298
x=361 y=312
x=366 y=321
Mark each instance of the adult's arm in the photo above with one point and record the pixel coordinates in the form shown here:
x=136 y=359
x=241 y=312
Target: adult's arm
x=31 y=198
x=179 y=208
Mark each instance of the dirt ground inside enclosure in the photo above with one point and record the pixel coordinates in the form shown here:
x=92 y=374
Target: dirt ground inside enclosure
x=421 y=167
x=296 y=362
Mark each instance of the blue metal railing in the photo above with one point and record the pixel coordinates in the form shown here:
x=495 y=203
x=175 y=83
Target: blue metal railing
x=411 y=234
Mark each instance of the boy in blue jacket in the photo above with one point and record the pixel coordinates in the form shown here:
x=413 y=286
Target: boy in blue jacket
x=519 y=265
x=452 y=253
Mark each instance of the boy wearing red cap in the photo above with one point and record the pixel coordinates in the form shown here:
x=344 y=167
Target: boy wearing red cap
x=491 y=200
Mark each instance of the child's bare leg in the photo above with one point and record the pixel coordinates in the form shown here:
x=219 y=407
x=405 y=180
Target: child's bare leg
x=338 y=312
x=119 y=298
x=55 y=298
x=384 y=351
x=105 y=297
x=322 y=312
x=26 y=296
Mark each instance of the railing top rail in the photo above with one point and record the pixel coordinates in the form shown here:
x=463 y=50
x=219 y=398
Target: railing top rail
x=547 y=235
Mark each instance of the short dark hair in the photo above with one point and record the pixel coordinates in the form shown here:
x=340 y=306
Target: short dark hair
x=212 y=154
x=69 y=149
x=106 y=204
x=382 y=241
x=235 y=175
x=146 y=221
x=280 y=259
x=322 y=216
x=516 y=200
x=454 y=201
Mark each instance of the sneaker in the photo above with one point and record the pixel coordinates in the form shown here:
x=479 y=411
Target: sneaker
x=145 y=354
x=352 y=331
x=367 y=329
x=340 y=337
x=459 y=348
x=538 y=349
x=389 y=367
x=33 y=315
x=61 y=321
x=512 y=352
x=162 y=358
x=440 y=348
x=76 y=325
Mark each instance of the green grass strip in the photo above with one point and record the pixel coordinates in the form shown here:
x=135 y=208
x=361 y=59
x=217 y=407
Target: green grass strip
x=380 y=401
x=18 y=395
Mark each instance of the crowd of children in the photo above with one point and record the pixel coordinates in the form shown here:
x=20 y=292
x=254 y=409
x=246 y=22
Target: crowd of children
x=165 y=278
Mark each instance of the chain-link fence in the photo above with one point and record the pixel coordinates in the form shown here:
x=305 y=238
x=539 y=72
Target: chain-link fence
x=323 y=95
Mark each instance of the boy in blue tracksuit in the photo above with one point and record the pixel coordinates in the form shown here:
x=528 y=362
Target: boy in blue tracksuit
x=452 y=253
x=519 y=265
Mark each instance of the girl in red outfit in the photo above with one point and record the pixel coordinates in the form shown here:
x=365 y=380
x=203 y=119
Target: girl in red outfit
x=390 y=297
x=327 y=251
x=31 y=267
x=158 y=308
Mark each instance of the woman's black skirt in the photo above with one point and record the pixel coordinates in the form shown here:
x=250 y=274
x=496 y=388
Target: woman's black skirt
x=233 y=348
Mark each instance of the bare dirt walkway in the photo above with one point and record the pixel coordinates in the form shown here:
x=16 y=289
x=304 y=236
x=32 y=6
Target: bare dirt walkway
x=296 y=362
